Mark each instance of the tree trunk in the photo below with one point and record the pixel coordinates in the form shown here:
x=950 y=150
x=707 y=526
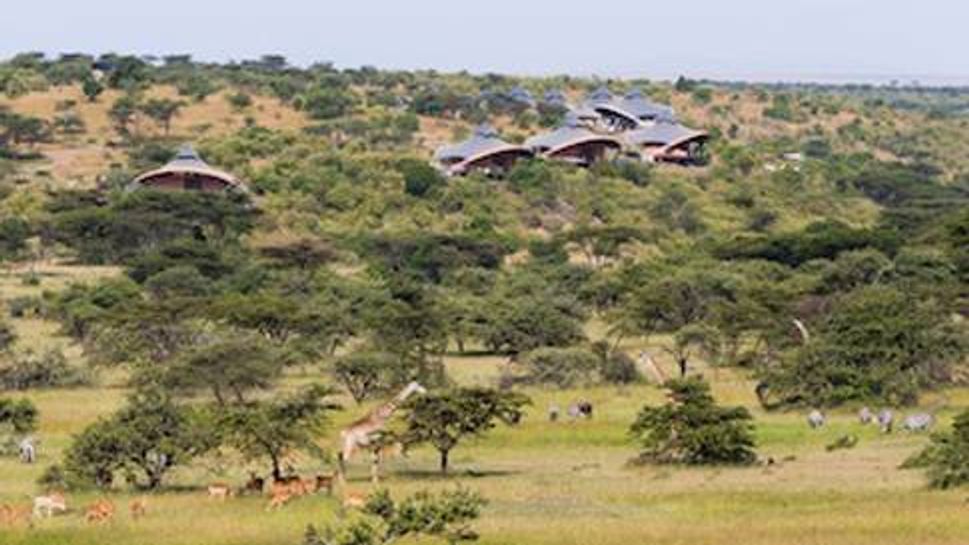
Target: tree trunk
x=444 y=459
x=277 y=472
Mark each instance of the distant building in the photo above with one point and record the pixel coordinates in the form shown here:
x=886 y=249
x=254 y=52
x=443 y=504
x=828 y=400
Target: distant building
x=484 y=152
x=522 y=96
x=555 y=98
x=187 y=172
x=574 y=143
x=668 y=143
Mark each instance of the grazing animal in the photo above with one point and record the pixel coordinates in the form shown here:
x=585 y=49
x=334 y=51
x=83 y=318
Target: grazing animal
x=885 y=420
x=219 y=491
x=585 y=408
x=47 y=506
x=12 y=514
x=574 y=413
x=324 y=482
x=363 y=432
x=279 y=498
x=816 y=419
x=138 y=507
x=653 y=370
x=865 y=416
x=27 y=450
x=553 y=413
x=99 y=511
x=354 y=500
x=918 y=422
x=255 y=484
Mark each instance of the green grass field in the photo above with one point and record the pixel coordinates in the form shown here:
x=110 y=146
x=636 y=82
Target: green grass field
x=547 y=483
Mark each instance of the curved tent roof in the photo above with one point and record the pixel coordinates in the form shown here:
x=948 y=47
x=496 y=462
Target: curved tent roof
x=520 y=94
x=483 y=143
x=667 y=135
x=555 y=97
x=636 y=104
x=187 y=161
x=600 y=95
x=570 y=133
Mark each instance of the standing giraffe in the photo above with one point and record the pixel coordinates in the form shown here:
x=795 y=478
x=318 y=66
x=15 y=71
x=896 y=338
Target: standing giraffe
x=653 y=369
x=364 y=433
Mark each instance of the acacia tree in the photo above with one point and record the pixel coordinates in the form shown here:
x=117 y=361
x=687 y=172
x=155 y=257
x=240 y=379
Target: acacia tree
x=144 y=440
x=693 y=429
x=269 y=429
x=443 y=419
x=162 y=110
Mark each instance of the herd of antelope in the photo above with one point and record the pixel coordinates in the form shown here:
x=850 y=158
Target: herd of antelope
x=281 y=490
x=54 y=503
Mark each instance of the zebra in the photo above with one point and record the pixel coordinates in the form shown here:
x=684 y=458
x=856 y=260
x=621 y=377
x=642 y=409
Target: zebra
x=885 y=420
x=553 y=413
x=918 y=422
x=815 y=419
x=865 y=415
x=27 y=450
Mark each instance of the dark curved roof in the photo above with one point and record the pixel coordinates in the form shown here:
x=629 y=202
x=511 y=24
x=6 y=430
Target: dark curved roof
x=663 y=134
x=520 y=94
x=187 y=161
x=570 y=133
x=602 y=94
x=555 y=97
x=483 y=142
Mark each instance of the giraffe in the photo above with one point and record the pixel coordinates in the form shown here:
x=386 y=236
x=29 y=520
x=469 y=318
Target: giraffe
x=364 y=433
x=652 y=368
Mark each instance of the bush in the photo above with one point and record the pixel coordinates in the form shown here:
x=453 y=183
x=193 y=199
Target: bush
x=693 y=429
x=48 y=370
x=561 y=367
x=618 y=368
x=420 y=178
x=365 y=374
x=946 y=459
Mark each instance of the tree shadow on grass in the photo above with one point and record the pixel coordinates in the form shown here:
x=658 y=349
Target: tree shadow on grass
x=436 y=475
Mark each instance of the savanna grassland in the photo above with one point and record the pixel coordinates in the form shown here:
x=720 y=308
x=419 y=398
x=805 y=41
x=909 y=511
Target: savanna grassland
x=843 y=209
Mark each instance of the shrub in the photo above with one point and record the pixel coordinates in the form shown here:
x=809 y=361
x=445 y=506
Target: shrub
x=693 y=429
x=946 y=459
x=618 y=368
x=420 y=178
x=561 y=367
x=48 y=370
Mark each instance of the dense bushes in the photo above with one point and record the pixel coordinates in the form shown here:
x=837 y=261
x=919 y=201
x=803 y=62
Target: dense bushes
x=47 y=370
x=823 y=240
x=571 y=367
x=875 y=343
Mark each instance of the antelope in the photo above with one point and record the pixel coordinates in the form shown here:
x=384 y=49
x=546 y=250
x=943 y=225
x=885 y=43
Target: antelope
x=324 y=481
x=99 y=511
x=12 y=514
x=865 y=416
x=280 y=497
x=255 y=484
x=138 y=507
x=885 y=420
x=219 y=491
x=354 y=500
x=47 y=506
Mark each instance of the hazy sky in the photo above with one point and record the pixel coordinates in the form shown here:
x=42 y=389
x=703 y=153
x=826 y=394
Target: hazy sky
x=763 y=39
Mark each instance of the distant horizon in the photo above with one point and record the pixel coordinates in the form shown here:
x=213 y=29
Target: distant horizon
x=765 y=78
x=758 y=41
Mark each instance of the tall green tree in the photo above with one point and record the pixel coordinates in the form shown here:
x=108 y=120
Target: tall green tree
x=443 y=419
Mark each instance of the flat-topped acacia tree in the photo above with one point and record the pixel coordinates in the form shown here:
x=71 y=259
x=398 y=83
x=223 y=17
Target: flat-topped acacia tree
x=444 y=418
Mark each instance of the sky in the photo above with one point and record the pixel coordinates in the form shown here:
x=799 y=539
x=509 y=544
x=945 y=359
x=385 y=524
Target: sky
x=764 y=40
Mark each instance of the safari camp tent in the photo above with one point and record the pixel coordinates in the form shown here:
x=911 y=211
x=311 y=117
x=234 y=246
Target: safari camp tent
x=628 y=112
x=574 y=143
x=187 y=172
x=666 y=142
x=484 y=152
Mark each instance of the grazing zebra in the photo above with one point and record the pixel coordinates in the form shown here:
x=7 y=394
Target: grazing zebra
x=553 y=413
x=885 y=420
x=815 y=419
x=865 y=416
x=585 y=408
x=918 y=422
x=27 y=450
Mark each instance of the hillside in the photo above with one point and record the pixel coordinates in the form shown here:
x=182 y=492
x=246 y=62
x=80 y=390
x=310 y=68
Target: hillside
x=813 y=257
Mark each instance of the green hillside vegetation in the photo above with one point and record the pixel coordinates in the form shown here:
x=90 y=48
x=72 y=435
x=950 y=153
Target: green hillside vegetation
x=173 y=339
